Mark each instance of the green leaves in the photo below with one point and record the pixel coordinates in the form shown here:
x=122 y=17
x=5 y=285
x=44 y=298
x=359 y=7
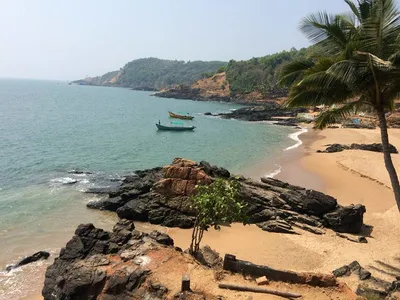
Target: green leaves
x=218 y=203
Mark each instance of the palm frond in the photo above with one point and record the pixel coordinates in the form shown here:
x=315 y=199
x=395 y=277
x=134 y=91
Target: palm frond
x=380 y=31
x=292 y=72
x=326 y=31
x=335 y=115
x=354 y=9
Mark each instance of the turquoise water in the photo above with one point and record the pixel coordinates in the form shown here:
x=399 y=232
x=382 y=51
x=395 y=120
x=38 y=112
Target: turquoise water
x=49 y=128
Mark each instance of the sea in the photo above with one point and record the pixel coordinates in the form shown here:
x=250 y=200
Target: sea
x=59 y=140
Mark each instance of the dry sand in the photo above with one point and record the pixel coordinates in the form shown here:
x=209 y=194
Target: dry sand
x=352 y=176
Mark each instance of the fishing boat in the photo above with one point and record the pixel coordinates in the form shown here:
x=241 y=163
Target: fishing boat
x=180 y=116
x=176 y=126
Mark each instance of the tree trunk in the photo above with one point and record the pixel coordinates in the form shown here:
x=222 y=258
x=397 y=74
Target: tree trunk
x=386 y=155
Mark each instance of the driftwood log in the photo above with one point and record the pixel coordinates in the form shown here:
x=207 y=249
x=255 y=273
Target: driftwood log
x=247 y=268
x=257 y=290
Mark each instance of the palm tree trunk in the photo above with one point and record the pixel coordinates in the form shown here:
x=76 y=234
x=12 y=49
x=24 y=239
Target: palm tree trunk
x=386 y=155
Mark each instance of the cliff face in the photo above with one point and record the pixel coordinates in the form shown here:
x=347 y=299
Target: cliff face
x=216 y=88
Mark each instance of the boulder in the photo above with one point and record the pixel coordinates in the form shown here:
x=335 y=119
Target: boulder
x=346 y=219
x=30 y=259
x=92 y=265
x=367 y=147
x=208 y=257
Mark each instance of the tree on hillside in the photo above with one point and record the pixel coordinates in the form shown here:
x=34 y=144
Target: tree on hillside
x=215 y=204
x=355 y=67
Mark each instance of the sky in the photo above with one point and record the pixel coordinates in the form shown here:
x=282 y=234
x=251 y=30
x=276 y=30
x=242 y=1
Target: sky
x=72 y=39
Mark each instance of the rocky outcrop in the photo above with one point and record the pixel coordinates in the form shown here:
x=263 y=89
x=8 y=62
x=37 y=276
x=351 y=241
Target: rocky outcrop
x=355 y=268
x=96 y=264
x=269 y=111
x=190 y=93
x=162 y=196
x=359 y=125
x=368 y=147
x=30 y=259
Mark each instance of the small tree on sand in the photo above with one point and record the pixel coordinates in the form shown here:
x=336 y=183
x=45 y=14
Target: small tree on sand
x=215 y=204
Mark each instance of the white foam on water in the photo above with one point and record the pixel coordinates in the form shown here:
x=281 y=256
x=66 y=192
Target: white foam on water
x=274 y=173
x=64 y=180
x=295 y=136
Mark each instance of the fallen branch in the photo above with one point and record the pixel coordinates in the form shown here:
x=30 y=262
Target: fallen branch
x=247 y=268
x=256 y=290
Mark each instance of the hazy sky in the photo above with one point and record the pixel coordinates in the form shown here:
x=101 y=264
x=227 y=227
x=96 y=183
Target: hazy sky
x=55 y=39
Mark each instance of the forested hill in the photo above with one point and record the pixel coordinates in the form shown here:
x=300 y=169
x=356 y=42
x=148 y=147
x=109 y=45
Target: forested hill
x=260 y=74
x=247 y=81
x=251 y=80
x=154 y=73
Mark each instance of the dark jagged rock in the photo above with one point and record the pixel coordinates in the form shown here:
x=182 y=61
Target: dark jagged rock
x=92 y=265
x=208 y=113
x=368 y=147
x=161 y=238
x=208 y=257
x=359 y=126
x=279 y=226
x=342 y=271
x=353 y=267
x=76 y=172
x=267 y=112
x=162 y=196
x=346 y=219
x=30 y=259
x=102 y=190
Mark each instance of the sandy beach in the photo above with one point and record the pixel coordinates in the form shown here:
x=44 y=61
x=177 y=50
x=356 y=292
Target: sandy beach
x=351 y=176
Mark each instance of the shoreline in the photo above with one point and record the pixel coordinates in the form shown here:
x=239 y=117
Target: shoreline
x=308 y=252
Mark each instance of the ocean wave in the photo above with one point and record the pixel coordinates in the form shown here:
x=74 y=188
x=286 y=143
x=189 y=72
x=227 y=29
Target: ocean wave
x=273 y=173
x=295 y=136
x=64 y=180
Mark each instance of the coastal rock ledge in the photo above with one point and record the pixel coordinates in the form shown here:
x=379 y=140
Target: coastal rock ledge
x=162 y=196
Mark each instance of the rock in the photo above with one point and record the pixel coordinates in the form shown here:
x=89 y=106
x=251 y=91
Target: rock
x=262 y=280
x=372 y=288
x=162 y=196
x=353 y=267
x=102 y=190
x=76 y=172
x=346 y=219
x=278 y=226
x=208 y=257
x=208 y=114
x=368 y=147
x=358 y=126
x=266 y=112
x=161 y=238
x=342 y=271
x=359 y=239
x=91 y=265
x=30 y=259
x=111 y=204
x=158 y=289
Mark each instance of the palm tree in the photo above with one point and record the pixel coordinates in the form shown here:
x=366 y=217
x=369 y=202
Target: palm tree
x=356 y=66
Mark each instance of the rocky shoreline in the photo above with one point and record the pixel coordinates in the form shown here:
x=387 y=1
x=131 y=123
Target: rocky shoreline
x=162 y=196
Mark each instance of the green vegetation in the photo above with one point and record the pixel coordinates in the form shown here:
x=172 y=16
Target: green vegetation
x=259 y=74
x=355 y=67
x=215 y=204
x=154 y=73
